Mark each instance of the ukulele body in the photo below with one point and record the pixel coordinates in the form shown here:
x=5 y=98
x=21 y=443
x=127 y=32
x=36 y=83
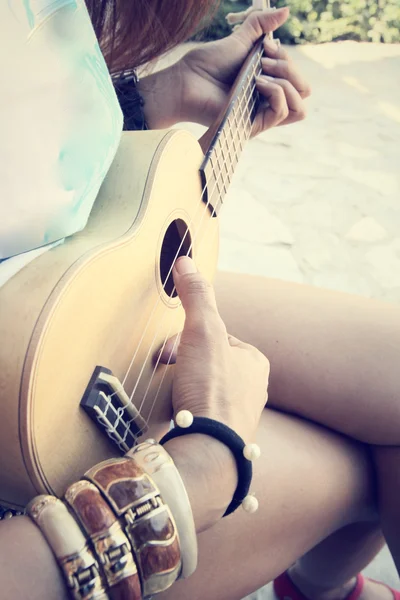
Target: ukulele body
x=97 y=299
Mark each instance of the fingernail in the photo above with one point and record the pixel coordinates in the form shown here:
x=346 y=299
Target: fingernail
x=185 y=265
x=262 y=78
x=271 y=45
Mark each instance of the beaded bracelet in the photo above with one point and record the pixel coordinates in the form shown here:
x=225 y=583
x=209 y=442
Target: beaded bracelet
x=244 y=454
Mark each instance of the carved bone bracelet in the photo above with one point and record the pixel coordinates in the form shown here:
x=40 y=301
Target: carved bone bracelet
x=111 y=546
x=156 y=461
x=147 y=521
x=79 y=566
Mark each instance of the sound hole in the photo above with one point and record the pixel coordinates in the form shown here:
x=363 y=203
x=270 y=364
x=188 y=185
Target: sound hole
x=177 y=242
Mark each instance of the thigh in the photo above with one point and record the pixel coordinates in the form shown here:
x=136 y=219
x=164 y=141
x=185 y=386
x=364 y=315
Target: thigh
x=309 y=482
x=334 y=357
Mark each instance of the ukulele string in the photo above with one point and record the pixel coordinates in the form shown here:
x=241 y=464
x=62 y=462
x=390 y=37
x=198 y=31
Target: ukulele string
x=210 y=196
x=199 y=230
x=247 y=133
x=175 y=343
x=180 y=247
x=246 y=136
x=174 y=288
x=161 y=323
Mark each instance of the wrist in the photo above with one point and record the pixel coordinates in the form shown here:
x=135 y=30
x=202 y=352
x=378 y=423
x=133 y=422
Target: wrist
x=163 y=100
x=209 y=472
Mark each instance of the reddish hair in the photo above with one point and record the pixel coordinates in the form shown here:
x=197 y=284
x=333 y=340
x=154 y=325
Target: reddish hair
x=133 y=32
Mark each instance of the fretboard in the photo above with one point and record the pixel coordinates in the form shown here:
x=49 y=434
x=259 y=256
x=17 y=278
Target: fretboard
x=224 y=142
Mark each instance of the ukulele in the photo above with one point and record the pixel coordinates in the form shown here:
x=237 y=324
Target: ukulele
x=82 y=323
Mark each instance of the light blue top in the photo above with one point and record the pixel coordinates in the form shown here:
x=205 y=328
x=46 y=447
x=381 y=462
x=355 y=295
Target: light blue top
x=60 y=122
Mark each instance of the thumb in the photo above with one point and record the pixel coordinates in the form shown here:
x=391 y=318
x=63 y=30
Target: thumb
x=260 y=23
x=196 y=294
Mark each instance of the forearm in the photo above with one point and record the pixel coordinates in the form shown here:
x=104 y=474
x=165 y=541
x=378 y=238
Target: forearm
x=163 y=101
x=27 y=565
x=209 y=473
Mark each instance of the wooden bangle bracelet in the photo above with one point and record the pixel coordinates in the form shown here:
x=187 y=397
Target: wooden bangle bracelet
x=157 y=463
x=112 y=547
x=147 y=521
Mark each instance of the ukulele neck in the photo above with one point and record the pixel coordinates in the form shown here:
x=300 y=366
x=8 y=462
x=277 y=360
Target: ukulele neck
x=224 y=142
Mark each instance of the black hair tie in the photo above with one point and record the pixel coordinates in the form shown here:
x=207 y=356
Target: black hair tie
x=244 y=455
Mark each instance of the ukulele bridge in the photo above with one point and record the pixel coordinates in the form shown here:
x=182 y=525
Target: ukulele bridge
x=108 y=405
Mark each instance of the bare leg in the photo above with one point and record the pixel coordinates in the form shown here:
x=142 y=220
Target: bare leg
x=310 y=483
x=334 y=360
x=327 y=571
x=387 y=461
x=334 y=357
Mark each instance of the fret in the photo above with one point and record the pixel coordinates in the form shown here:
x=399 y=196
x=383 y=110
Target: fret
x=231 y=143
x=227 y=147
x=222 y=165
x=209 y=183
x=225 y=154
x=218 y=178
x=232 y=131
x=246 y=115
x=249 y=93
x=239 y=123
x=225 y=141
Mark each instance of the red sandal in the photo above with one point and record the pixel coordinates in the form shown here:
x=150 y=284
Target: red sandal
x=285 y=589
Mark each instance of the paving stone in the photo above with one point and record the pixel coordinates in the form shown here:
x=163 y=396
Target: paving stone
x=245 y=218
x=352 y=283
x=367 y=230
x=256 y=259
x=385 y=264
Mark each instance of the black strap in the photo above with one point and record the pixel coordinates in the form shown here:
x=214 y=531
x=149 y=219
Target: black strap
x=131 y=102
x=227 y=436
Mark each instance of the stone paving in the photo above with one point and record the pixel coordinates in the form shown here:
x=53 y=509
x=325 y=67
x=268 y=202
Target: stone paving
x=319 y=201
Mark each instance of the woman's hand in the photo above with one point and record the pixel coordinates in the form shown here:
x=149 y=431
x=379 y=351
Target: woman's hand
x=216 y=375
x=207 y=74
x=196 y=87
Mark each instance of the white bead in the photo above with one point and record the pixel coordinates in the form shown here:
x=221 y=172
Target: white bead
x=184 y=419
x=250 y=504
x=252 y=452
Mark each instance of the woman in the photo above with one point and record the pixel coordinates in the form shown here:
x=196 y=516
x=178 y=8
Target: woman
x=329 y=355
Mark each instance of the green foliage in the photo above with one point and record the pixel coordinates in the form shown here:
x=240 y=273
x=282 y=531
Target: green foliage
x=326 y=20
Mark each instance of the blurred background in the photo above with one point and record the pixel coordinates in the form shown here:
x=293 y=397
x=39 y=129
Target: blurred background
x=320 y=21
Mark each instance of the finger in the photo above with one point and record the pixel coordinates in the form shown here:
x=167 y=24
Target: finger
x=273 y=49
x=238 y=17
x=277 y=110
x=259 y=23
x=294 y=102
x=283 y=69
x=234 y=342
x=197 y=297
x=168 y=352
x=279 y=53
